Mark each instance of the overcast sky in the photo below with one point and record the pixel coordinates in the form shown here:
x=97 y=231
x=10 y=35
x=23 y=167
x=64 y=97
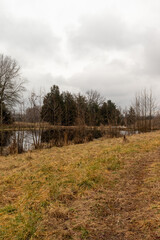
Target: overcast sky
x=112 y=46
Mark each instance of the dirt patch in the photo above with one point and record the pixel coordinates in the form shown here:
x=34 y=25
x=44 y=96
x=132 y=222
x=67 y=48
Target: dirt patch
x=124 y=212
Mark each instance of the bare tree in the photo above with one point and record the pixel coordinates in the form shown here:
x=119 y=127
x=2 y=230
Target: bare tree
x=33 y=115
x=144 y=106
x=152 y=107
x=94 y=96
x=11 y=83
x=94 y=101
x=33 y=111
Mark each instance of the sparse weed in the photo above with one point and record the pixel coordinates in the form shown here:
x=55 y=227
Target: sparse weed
x=8 y=209
x=113 y=163
x=84 y=232
x=86 y=184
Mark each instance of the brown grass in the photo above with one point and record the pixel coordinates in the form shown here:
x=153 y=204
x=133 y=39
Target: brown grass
x=105 y=189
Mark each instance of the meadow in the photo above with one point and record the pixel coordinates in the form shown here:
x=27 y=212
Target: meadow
x=104 y=189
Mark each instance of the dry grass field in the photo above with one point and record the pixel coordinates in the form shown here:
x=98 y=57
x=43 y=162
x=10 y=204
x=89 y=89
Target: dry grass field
x=106 y=189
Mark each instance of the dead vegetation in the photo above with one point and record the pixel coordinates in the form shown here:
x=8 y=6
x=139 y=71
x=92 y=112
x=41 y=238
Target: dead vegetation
x=103 y=189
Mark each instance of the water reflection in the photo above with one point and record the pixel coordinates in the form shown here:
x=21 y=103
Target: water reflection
x=5 y=138
x=19 y=141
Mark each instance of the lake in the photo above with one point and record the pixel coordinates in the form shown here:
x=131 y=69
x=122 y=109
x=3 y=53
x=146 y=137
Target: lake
x=20 y=141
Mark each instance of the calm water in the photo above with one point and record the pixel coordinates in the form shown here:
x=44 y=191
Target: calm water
x=28 y=140
x=10 y=139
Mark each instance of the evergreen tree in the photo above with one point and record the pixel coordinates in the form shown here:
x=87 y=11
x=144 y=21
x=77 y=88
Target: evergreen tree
x=81 y=109
x=93 y=114
x=131 y=116
x=110 y=114
x=104 y=113
x=52 y=107
x=69 y=109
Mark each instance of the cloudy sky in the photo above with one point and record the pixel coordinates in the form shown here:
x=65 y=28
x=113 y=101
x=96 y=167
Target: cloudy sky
x=112 y=46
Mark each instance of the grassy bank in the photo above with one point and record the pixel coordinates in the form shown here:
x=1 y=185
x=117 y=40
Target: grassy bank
x=71 y=192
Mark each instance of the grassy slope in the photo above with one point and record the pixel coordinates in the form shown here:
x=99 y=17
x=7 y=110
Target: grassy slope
x=105 y=189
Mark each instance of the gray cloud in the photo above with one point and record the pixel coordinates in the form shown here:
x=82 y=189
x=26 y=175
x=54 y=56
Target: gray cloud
x=101 y=32
x=152 y=52
x=111 y=80
x=28 y=40
x=131 y=56
x=114 y=81
x=110 y=51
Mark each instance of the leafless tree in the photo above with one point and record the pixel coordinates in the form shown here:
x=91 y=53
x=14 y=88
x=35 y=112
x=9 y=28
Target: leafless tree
x=144 y=106
x=33 y=115
x=34 y=108
x=152 y=107
x=94 y=96
x=11 y=83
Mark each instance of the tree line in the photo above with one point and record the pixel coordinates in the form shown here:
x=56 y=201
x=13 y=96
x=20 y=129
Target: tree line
x=69 y=109
x=65 y=108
